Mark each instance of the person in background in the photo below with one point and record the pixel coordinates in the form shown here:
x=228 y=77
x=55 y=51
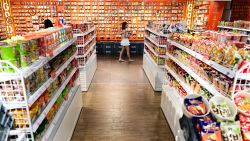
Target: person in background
x=48 y=23
x=125 y=42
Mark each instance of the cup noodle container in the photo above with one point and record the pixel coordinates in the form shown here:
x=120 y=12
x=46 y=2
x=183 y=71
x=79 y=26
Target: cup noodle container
x=244 y=94
x=217 y=99
x=190 y=115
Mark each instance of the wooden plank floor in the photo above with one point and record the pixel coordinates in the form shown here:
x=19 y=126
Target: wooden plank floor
x=121 y=106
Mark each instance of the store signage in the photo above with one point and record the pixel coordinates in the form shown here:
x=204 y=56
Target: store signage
x=7 y=17
x=189 y=13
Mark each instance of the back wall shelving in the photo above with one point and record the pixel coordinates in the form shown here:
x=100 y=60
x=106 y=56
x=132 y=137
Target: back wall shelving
x=106 y=14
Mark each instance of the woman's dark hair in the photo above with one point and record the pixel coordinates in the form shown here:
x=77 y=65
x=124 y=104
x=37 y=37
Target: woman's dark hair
x=48 y=23
x=124 y=25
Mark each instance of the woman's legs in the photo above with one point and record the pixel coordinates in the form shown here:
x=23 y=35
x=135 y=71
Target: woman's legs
x=128 y=53
x=120 y=57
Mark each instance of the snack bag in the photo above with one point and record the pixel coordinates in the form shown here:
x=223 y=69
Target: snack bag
x=231 y=131
x=211 y=135
x=244 y=118
x=232 y=58
x=219 y=55
x=245 y=128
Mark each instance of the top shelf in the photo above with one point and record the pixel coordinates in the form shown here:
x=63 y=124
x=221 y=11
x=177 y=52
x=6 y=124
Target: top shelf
x=157 y=33
x=27 y=71
x=234 y=28
x=226 y=71
x=85 y=33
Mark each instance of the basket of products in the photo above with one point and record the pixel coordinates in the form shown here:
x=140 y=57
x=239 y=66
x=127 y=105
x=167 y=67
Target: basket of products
x=242 y=101
x=195 y=106
x=222 y=108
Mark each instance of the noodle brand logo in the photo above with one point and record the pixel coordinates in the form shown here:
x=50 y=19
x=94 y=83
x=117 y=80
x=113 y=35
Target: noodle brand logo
x=189 y=13
x=7 y=16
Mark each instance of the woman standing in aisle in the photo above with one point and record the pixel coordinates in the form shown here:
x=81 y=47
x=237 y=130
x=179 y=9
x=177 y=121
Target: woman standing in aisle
x=125 y=42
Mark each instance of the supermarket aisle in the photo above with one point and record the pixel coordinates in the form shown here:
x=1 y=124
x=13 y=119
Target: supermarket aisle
x=121 y=106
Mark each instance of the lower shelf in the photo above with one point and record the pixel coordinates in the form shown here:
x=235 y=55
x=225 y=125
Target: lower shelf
x=154 y=73
x=63 y=124
x=87 y=72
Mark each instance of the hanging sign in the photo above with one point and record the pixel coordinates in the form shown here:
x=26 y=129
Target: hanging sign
x=189 y=13
x=8 y=20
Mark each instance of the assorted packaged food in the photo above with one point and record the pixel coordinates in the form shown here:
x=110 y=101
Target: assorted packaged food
x=159 y=50
x=245 y=127
x=35 y=80
x=208 y=127
x=223 y=108
x=188 y=80
x=236 y=24
x=196 y=106
x=161 y=40
x=221 y=82
x=227 y=49
x=21 y=115
x=53 y=111
x=231 y=131
x=82 y=27
x=22 y=51
x=242 y=101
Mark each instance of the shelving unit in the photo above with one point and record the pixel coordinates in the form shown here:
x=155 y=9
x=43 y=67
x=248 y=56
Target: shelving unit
x=86 y=57
x=107 y=15
x=153 y=60
x=237 y=75
x=23 y=101
x=241 y=30
x=171 y=95
x=3 y=29
x=200 y=14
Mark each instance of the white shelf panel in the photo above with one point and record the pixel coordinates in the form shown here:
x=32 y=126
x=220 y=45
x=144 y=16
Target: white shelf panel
x=234 y=28
x=87 y=72
x=60 y=114
x=87 y=52
x=27 y=71
x=202 y=82
x=85 y=33
x=52 y=101
x=157 y=33
x=183 y=84
x=154 y=42
x=90 y=59
x=153 y=72
x=230 y=73
x=94 y=36
x=45 y=86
